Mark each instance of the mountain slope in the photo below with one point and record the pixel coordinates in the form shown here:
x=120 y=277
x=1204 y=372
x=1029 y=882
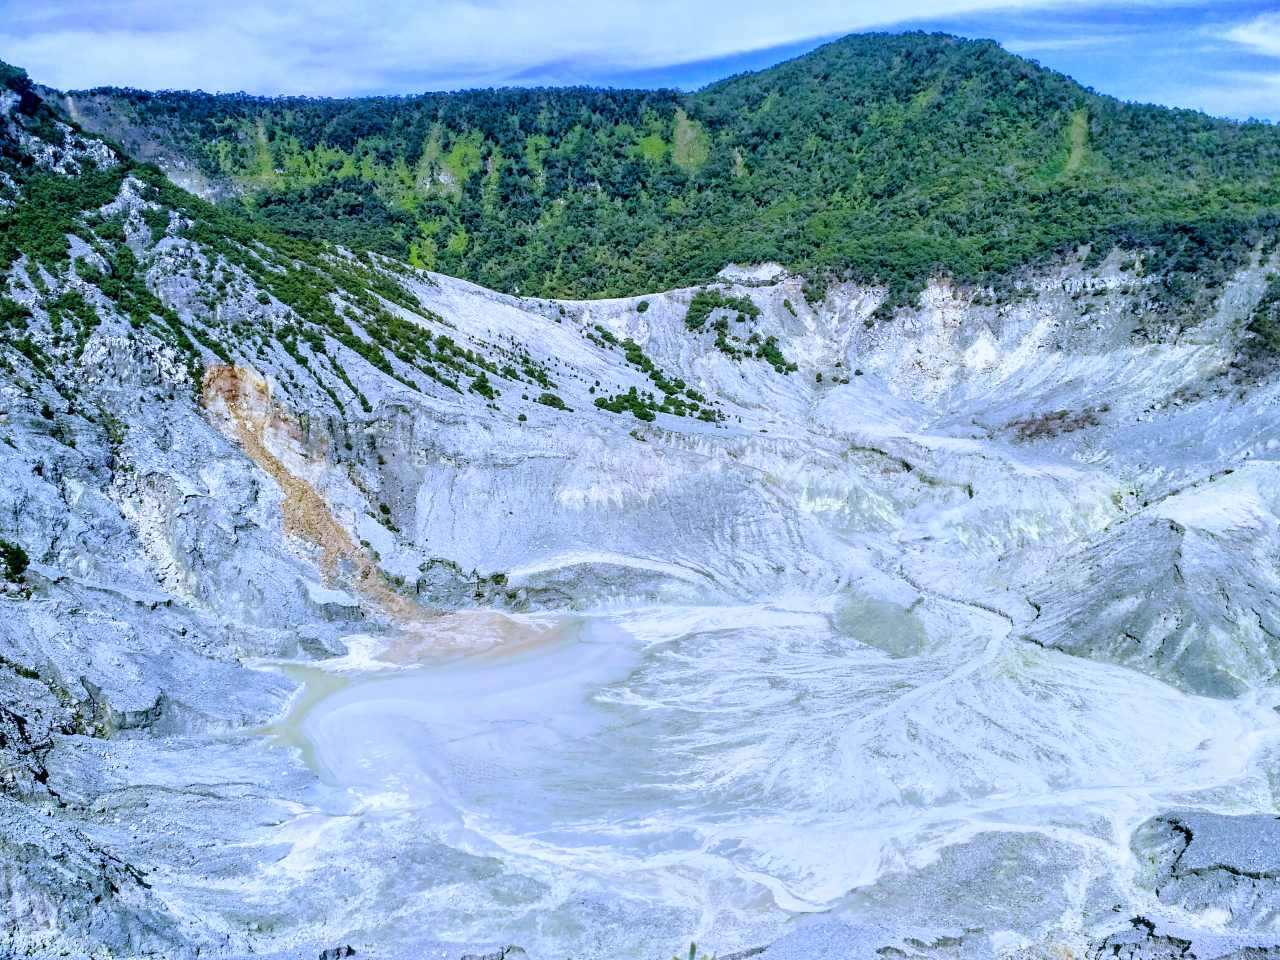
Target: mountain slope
x=881 y=158
x=745 y=614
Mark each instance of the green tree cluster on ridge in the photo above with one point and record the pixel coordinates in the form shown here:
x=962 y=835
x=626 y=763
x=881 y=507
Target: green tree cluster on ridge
x=882 y=158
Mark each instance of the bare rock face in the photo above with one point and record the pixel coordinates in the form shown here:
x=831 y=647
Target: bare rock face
x=1223 y=867
x=1188 y=589
x=63 y=893
x=1153 y=940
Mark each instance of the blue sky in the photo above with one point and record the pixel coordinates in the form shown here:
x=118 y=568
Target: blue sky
x=1221 y=57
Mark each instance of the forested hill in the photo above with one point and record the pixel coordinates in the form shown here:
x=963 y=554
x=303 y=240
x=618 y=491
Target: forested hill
x=877 y=157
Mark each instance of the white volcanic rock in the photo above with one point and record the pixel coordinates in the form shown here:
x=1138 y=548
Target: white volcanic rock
x=812 y=645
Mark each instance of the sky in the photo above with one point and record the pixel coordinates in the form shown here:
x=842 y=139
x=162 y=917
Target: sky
x=1221 y=57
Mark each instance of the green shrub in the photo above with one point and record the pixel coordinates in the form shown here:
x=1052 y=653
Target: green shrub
x=13 y=314
x=1261 y=347
x=769 y=352
x=13 y=560
x=632 y=401
x=704 y=302
x=551 y=400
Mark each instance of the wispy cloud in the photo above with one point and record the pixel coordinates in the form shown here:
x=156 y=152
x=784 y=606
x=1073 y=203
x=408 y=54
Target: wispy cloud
x=1260 y=35
x=1058 y=44
x=1238 y=93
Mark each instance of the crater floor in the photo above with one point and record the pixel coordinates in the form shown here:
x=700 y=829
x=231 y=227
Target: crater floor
x=957 y=639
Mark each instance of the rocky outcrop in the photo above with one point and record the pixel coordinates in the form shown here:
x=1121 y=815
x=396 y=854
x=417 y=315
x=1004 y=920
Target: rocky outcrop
x=63 y=893
x=1225 y=868
x=1188 y=589
x=1146 y=939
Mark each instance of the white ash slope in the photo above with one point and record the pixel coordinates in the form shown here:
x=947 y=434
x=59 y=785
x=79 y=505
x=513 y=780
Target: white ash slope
x=1098 y=487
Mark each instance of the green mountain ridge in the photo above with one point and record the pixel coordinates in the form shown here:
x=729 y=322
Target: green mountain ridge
x=880 y=158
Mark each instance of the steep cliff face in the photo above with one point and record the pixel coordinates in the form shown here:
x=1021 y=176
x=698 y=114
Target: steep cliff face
x=220 y=456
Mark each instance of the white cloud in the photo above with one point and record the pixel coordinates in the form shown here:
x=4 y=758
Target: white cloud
x=1261 y=34
x=343 y=47
x=1235 y=93
x=1058 y=44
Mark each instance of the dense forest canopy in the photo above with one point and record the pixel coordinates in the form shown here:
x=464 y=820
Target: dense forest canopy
x=878 y=157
